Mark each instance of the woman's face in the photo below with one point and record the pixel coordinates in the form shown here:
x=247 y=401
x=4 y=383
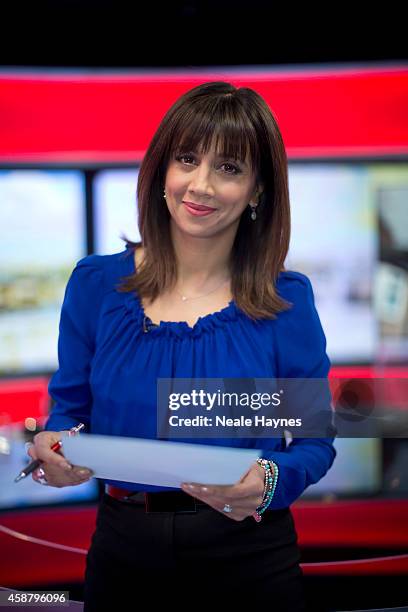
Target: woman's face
x=224 y=186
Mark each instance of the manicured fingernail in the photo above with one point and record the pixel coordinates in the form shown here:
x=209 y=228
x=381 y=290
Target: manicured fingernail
x=84 y=472
x=189 y=486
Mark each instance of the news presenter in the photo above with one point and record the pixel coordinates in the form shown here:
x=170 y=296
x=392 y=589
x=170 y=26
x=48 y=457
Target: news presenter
x=205 y=294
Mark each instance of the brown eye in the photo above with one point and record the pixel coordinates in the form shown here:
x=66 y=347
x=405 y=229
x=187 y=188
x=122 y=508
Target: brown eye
x=235 y=169
x=180 y=158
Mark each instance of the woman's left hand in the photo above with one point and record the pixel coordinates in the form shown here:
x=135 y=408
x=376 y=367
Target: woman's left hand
x=236 y=501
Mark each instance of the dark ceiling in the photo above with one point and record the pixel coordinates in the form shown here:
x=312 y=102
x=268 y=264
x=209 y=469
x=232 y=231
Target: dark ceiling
x=189 y=33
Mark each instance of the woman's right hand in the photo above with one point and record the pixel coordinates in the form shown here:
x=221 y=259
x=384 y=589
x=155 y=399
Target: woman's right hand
x=57 y=471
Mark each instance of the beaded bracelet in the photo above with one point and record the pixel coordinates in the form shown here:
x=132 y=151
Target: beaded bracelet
x=270 y=483
x=271 y=479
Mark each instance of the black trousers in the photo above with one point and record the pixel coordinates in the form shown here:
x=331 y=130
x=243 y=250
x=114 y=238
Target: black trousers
x=186 y=560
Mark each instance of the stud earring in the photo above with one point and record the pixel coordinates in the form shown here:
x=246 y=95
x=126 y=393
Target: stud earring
x=164 y=194
x=253 y=213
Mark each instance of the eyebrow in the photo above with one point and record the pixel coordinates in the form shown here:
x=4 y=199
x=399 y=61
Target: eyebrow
x=218 y=156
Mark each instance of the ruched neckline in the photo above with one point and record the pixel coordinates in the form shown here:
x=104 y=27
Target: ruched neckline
x=181 y=329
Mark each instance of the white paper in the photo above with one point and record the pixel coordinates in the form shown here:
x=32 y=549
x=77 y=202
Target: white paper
x=158 y=462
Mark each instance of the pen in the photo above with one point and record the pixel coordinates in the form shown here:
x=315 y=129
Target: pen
x=55 y=447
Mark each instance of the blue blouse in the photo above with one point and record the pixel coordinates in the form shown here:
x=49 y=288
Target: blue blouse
x=108 y=365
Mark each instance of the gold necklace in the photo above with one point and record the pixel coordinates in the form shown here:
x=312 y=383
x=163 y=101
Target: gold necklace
x=184 y=298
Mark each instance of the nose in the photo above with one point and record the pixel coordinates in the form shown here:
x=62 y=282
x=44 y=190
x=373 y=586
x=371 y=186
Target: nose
x=200 y=181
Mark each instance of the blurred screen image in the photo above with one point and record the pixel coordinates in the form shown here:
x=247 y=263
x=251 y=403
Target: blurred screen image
x=44 y=214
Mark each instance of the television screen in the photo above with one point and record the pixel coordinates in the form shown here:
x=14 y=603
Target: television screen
x=340 y=214
x=42 y=216
x=26 y=492
x=356 y=470
x=115 y=209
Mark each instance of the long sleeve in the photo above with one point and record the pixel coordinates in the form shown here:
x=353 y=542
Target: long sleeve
x=301 y=353
x=69 y=386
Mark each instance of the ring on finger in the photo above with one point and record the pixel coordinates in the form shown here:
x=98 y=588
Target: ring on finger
x=41 y=477
x=227 y=508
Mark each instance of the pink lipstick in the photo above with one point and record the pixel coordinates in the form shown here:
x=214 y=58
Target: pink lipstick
x=198 y=210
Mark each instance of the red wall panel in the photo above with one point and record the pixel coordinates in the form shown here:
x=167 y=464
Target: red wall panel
x=74 y=117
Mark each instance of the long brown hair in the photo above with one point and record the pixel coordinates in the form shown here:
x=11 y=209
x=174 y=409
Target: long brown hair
x=237 y=120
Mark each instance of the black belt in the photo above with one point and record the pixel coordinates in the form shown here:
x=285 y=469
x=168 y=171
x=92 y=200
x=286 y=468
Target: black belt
x=162 y=501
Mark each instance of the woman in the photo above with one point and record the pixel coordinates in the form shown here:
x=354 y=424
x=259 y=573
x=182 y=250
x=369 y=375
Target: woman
x=204 y=295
